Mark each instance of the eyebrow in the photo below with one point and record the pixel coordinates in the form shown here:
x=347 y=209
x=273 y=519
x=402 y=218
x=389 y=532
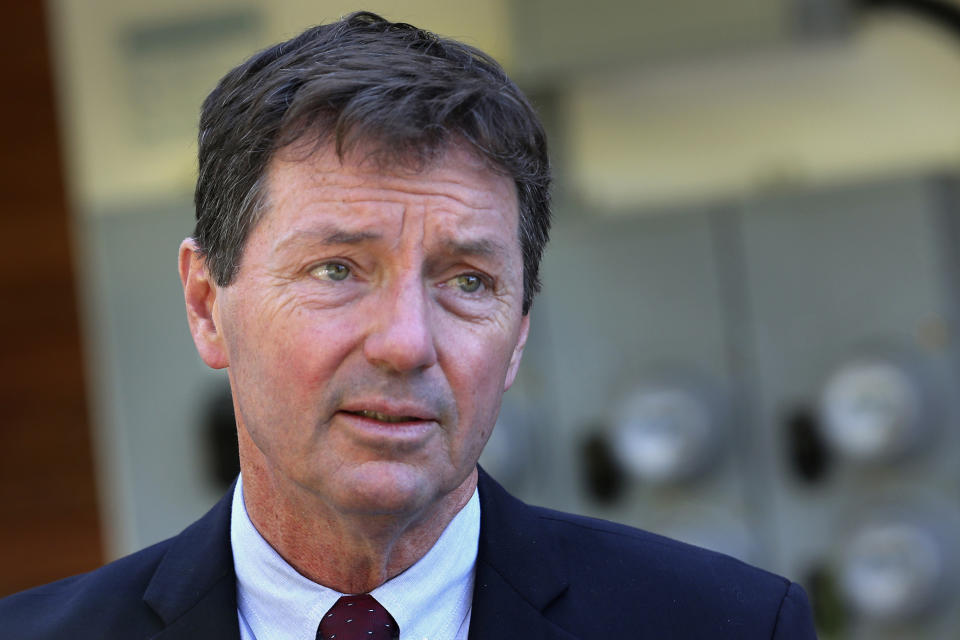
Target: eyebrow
x=327 y=235
x=483 y=247
x=330 y=235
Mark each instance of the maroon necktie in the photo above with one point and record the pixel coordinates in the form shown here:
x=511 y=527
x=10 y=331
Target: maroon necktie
x=358 y=618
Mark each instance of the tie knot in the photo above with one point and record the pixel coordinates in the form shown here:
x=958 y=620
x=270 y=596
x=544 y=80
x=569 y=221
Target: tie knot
x=358 y=617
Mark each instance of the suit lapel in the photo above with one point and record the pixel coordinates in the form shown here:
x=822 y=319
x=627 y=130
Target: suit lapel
x=500 y=611
x=517 y=576
x=214 y=616
x=194 y=589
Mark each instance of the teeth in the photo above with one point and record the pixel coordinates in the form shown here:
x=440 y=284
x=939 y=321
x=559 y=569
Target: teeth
x=382 y=417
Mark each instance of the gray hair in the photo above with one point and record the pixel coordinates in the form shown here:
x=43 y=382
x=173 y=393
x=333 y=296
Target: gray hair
x=407 y=92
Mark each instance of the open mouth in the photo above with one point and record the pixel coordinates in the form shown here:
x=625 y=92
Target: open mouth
x=383 y=417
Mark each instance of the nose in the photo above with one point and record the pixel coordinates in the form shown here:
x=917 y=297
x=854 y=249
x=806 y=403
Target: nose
x=401 y=338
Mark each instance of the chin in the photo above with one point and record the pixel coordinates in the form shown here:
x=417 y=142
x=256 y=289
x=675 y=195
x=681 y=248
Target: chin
x=388 y=488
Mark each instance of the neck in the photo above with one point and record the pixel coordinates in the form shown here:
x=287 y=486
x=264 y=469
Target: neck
x=351 y=552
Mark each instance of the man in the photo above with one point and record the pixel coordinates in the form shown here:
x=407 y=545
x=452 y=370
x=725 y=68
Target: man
x=371 y=210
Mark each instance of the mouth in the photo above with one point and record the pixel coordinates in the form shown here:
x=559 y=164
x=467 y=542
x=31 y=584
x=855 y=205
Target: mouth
x=379 y=424
x=384 y=417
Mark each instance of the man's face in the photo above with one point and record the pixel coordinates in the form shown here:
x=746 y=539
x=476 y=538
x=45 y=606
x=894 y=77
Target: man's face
x=373 y=326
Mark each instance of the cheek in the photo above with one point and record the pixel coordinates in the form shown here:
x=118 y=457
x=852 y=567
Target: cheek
x=475 y=365
x=479 y=347
x=320 y=342
x=285 y=358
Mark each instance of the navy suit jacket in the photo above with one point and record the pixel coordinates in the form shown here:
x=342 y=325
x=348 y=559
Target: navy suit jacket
x=540 y=574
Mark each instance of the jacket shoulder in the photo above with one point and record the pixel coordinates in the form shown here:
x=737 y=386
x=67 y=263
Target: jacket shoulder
x=618 y=547
x=140 y=594
x=599 y=579
x=107 y=599
x=687 y=587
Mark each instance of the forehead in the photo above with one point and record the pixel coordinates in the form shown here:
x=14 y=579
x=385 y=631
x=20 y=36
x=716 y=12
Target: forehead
x=309 y=185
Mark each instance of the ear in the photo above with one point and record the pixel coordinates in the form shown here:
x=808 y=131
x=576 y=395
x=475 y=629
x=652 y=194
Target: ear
x=517 y=354
x=200 y=293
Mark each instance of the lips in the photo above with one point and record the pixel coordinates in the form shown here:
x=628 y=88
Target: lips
x=389 y=412
x=383 y=417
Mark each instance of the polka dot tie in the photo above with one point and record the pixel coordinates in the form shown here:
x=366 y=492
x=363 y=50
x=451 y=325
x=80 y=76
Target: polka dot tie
x=357 y=618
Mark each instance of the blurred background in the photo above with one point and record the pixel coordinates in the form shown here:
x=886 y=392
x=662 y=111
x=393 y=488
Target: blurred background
x=748 y=335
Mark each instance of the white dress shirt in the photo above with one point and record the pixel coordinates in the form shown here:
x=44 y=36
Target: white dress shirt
x=430 y=600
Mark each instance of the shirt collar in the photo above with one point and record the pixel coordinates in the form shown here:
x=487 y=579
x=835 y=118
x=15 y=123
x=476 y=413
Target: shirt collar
x=431 y=599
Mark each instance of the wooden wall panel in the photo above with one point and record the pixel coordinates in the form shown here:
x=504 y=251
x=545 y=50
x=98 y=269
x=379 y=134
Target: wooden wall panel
x=48 y=512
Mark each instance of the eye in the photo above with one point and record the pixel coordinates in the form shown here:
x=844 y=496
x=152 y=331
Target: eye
x=467 y=282
x=335 y=271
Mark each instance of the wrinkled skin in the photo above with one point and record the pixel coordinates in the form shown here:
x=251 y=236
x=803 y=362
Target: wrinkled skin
x=369 y=335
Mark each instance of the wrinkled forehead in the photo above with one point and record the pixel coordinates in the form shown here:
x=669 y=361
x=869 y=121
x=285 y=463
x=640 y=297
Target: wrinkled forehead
x=309 y=184
x=384 y=156
x=456 y=171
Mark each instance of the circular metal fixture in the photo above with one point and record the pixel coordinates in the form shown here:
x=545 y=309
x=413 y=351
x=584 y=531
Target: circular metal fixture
x=665 y=433
x=893 y=570
x=871 y=410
